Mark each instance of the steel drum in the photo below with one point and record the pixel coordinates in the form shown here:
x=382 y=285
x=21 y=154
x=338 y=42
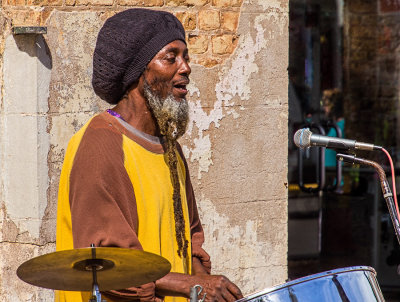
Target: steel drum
x=351 y=284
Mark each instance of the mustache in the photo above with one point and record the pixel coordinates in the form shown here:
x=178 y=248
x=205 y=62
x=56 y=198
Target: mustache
x=162 y=87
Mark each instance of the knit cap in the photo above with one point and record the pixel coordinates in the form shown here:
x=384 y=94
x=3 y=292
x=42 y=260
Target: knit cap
x=126 y=44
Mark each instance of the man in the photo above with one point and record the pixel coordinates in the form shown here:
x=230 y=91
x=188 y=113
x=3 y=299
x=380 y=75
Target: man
x=124 y=181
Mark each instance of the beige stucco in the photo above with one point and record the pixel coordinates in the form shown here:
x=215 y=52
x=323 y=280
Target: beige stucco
x=236 y=144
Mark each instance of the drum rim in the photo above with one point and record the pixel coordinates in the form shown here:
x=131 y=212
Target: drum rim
x=309 y=278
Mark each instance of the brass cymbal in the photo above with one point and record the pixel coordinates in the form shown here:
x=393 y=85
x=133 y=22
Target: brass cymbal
x=71 y=270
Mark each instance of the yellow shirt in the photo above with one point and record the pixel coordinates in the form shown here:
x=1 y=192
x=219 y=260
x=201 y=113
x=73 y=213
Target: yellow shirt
x=115 y=190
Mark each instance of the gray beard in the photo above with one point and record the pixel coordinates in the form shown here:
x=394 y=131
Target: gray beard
x=171 y=115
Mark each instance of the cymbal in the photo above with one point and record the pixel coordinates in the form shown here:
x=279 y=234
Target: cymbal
x=71 y=270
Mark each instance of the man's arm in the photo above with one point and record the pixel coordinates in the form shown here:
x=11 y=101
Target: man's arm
x=102 y=201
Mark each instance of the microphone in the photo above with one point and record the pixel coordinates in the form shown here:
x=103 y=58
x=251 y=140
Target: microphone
x=304 y=138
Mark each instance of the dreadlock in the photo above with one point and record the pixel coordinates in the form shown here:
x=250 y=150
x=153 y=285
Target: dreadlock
x=171 y=117
x=176 y=197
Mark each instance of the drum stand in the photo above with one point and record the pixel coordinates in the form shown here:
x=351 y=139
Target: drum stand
x=94 y=266
x=96 y=296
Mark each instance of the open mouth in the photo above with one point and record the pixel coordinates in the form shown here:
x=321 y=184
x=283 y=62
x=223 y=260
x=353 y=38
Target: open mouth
x=180 y=89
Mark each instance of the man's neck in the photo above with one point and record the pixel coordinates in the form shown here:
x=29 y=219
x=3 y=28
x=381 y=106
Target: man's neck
x=133 y=109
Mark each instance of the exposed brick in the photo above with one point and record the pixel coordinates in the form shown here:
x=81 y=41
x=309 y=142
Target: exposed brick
x=25 y=17
x=95 y=2
x=106 y=14
x=176 y=3
x=45 y=14
x=44 y=2
x=209 y=20
x=188 y=19
x=229 y=20
x=15 y=2
x=227 y=3
x=197 y=2
x=363 y=6
x=70 y=2
x=186 y=2
x=363 y=32
x=208 y=62
x=145 y=3
x=198 y=44
x=363 y=50
x=224 y=44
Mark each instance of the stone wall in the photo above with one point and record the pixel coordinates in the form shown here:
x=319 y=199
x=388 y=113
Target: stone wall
x=236 y=142
x=371 y=65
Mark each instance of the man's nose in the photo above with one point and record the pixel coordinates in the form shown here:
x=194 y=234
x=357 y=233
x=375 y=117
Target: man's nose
x=184 y=67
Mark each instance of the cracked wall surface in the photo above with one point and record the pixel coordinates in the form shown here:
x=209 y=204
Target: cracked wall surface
x=236 y=144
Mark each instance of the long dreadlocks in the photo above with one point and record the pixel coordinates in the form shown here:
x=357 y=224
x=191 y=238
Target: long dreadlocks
x=171 y=117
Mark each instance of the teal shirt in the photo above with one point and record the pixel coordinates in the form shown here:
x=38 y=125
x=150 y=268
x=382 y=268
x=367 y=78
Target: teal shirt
x=330 y=155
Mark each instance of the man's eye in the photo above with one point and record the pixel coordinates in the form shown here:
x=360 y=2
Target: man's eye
x=171 y=59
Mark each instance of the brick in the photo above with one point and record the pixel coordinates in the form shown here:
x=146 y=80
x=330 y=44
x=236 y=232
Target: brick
x=197 y=2
x=224 y=44
x=198 y=44
x=229 y=21
x=70 y=2
x=176 y=3
x=25 y=17
x=95 y=2
x=45 y=14
x=188 y=19
x=227 y=3
x=44 y=2
x=363 y=6
x=209 y=20
x=106 y=15
x=186 y=2
x=363 y=32
x=15 y=2
x=145 y=3
x=208 y=62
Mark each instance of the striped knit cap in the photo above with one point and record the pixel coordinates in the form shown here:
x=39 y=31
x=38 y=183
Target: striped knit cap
x=126 y=44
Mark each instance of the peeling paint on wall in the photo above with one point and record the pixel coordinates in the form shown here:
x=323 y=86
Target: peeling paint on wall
x=247 y=257
x=237 y=147
x=236 y=107
x=234 y=82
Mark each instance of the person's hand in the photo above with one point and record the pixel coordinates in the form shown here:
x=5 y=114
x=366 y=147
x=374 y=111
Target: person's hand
x=217 y=288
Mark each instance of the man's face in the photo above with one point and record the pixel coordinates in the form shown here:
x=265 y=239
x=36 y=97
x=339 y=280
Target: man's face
x=163 y=84
x=168 y=72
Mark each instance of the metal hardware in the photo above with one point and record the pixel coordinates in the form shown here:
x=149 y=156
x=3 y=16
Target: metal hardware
x=29 y=30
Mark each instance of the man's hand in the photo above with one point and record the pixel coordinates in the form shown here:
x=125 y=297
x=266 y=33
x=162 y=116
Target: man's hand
x=217 y=287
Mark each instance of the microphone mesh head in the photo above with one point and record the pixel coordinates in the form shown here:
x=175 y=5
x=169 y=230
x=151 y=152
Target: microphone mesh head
x=302 y=138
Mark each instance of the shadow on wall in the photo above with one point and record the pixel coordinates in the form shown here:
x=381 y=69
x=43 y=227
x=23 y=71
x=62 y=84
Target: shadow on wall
x=35 y=46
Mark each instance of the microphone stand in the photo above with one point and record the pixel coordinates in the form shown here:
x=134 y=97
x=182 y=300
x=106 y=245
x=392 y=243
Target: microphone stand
x=387 y=193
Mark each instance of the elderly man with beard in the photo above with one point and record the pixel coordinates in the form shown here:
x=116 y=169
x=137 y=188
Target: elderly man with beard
x=125 y=182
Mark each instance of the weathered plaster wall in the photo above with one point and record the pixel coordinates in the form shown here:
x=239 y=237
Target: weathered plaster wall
x=236 y=143
x=26 y=69
x=237 y=170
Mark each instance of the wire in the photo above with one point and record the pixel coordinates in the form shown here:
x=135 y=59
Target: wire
x=393 y=182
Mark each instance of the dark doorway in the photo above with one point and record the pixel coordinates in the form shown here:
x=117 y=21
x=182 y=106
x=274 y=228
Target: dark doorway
x=343 y=81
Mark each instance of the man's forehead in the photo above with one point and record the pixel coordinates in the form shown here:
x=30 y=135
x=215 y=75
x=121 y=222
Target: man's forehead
x=175 y=46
